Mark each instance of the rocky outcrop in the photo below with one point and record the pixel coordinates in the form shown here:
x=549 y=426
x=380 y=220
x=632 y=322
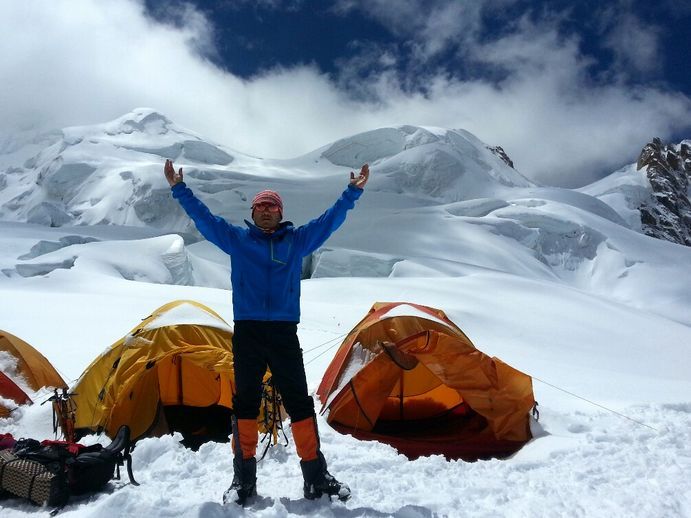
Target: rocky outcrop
x=499 y=151
x=667 y=215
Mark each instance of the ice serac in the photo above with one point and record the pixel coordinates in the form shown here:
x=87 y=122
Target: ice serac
x=667 y=214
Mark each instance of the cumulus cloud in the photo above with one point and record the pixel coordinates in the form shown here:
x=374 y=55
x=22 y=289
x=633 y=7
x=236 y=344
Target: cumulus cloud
x=70 y=62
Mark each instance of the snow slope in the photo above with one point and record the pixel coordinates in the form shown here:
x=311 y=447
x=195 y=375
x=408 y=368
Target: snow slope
x=558 y=283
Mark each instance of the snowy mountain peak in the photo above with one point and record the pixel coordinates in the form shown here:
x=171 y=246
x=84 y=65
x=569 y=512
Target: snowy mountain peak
x=446 y=165
x=144 y=120
x=139 y=124
x=110 y=173
x=372 y=146
x=104 y=173
x=148 y=131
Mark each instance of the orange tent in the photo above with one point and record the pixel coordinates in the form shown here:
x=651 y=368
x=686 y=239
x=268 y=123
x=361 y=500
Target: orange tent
x=408 y=376
x=31 y=365
x=9 y=390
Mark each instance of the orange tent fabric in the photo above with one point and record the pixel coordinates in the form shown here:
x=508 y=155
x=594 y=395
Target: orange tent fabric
x=9 y=390
x=408 y=376
x=36 y=371
x=31 y=364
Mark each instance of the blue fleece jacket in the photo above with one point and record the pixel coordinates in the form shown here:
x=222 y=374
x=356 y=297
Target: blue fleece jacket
x=266 y=268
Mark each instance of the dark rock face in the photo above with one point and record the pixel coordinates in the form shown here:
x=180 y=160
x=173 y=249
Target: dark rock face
x=668 y=214
x=499 y=151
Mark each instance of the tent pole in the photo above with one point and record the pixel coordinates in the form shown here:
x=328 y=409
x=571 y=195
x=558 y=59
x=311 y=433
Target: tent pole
x=400 y=394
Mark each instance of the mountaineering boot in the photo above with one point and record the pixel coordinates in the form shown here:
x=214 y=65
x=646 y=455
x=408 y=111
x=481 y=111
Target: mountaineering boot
x=244 y=442
x=318 y=481
x=244 y=485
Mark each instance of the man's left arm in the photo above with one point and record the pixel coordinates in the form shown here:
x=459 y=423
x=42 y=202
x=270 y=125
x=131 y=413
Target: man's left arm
x=315 y=233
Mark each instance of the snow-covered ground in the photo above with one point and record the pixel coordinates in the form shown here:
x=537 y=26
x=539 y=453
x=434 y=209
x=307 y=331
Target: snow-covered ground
x=558 y=283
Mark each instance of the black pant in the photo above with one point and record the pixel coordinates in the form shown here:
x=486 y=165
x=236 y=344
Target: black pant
x=256 y=344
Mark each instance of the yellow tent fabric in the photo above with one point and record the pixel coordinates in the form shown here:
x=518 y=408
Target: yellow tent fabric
x=179 y=358
x=406 y=370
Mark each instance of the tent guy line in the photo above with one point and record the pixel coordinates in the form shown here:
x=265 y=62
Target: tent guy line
x=533 y=377
x=339 y=337
x=593 y=403
x=335 y=340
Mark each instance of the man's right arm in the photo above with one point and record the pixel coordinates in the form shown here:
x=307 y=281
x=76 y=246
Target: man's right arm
x=213 y=228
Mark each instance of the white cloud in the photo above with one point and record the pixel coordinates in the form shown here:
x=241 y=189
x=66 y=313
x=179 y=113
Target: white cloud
x=87 y=61
x=635 y=45
x=427 y=26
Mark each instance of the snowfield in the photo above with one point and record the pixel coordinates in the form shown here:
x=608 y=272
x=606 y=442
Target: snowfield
x=558 y=283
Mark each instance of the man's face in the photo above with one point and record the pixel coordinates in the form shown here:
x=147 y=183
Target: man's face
x=266 y=216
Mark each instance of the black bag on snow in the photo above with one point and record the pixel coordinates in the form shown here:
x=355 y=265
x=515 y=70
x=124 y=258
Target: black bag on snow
x=91 y=470
x=49 y=473
x=41 y=483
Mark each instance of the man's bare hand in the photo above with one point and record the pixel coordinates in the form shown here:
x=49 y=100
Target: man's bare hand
x=172 y=177
x=360 y=180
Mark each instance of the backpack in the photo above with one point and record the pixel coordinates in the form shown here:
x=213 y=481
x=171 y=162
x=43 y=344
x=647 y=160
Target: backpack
x=48 y=472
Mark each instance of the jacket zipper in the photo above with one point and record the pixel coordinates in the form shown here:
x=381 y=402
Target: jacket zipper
x=268 y=291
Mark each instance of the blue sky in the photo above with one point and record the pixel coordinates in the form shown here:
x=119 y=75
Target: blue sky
x=571 y=90
x=638 y=42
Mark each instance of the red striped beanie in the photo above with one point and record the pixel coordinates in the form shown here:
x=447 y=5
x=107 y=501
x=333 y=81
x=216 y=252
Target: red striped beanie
x=270 y=197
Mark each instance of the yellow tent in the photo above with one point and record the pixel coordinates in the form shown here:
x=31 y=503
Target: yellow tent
x=408 y=376
x=31 y=365
x=171 y=372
